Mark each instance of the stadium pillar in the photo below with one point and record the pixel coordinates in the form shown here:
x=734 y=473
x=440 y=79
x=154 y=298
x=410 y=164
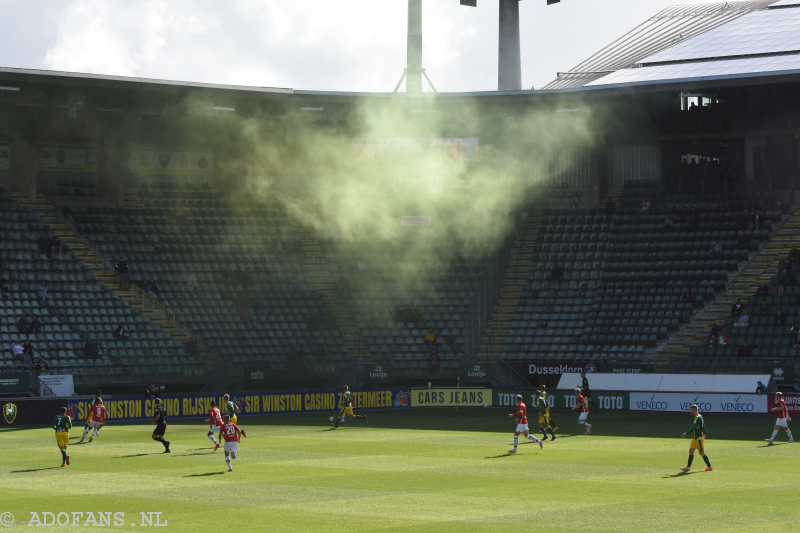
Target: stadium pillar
x=414 y=47
x=24 y=166
x=509 y=68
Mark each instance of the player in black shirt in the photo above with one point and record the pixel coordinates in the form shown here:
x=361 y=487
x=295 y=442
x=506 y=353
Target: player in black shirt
x=586 y=392
x=161 y=424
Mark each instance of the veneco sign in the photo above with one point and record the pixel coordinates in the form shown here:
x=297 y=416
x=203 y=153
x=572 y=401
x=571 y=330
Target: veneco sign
x=706 y=403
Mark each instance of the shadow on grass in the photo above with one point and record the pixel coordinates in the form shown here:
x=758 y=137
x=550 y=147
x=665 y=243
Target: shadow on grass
x=34 y=470
x=680 y=474
x=206 y=474
x=498 y=456
x=772 y=444
x=187 y=454
x=137 y=455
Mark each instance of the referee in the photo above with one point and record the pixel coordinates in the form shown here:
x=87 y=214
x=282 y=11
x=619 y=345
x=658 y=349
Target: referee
x=586 y=392
x=161 y=424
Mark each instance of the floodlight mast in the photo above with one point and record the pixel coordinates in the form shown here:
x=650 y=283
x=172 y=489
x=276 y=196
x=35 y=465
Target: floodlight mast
x=413 y=72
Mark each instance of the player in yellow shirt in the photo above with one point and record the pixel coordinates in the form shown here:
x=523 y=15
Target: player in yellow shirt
x=698 y=433
x=347 y=409
x=61 y=423
x=544 y=415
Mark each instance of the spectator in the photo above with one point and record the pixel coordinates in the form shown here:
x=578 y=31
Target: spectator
x=796 y=326
x=122 y=270
x=669 y=225
x=430 y=338
x=715 y=332
x=22 y=324
x=744 y=320
x=745 y=350
x=763 y=290
x=761 y=389
x=227 y=274
x=737 y=308
x=17 y=350
x=119 y=333
x=794 y=255
x=35 y=326
x=687 y=297
x=43 y=244
x=557 y=273
x=146 y=285
x=645 y=205
x=716 y=251
x=44 y=292
x=763 y=309
x=41 y=364
x=780 y=318
x=55 y=245
x=245 y=315
x=758 y=220
x=90 y=348
x=101 y=350
x=27 y=349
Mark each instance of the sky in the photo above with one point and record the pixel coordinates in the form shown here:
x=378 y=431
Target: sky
x=344 y=45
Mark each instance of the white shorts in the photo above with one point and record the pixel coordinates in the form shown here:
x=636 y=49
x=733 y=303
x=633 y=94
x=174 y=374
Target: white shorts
x=231 y=447
x=781 y=422
x=96 y=425
x=215 y=430
x=521 y=428
x=583 y=416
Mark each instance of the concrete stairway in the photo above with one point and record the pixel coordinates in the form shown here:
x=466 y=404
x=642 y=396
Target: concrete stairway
x=323 y=283
x=101 y=267
x=514 y=283
x=759 y=271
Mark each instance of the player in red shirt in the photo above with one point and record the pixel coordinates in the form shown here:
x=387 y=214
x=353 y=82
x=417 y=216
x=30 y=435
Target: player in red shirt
x=522 y=425
x=584 y=407
x=98 y=414
x=215 y=421
x=783 y=418
x=230 y=432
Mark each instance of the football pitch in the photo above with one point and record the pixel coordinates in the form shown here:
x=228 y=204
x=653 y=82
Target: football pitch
x=412 y=470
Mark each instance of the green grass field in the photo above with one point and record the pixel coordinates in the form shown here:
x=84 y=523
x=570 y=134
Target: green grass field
x=423 y=470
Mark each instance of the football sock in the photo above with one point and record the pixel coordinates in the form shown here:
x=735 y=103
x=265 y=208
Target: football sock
x=705 y=458
x=94 y=433
x=789 y=433
x=359 y=416
x=774 y=434
x=516 y=441
x=228 y=460
x=212 y=439
x=534 y=439
x=551 y=433
x=63 y=456
x=336 y=423
x=544 y=433
x=691 y=458
x=85 y=432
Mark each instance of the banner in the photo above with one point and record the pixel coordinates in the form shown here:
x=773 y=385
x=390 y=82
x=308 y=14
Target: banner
x=627 y=368
x=561 y=399
x=198 y=405
x=382 y=373
x=549 y=372
x=477 y=371
x=30 y=411
x=411 y=220
x=451 y=397
x=5 y=156
x=782 y=371
x=792 y=402
x=414 y=149
x=706 y=403
x=61 y=385
x=171 y=162
x=66 y=158
x=15 y=381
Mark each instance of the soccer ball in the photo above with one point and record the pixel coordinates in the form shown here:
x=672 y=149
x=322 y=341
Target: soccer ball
x=331 y=419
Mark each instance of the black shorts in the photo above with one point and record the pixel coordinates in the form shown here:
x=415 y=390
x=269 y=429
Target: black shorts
x=587 y=394
x=160 y=430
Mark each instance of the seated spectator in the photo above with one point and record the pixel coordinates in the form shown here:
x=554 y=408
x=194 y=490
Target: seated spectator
x=119 y=333
x=763 y=290
x=430 y=338
x=44 y=292
x=35 y=326
x=121 y=267
x=794 y=255
x=43 y=244
x=41 y=364
x=761 y=389
x=645 y=205
x=557 y=273
x=227 y=274
x=152 y=282
x=17 y=349
x=713 y=337
x=27 y=349
x=716 y=251
x=245 y=315
x=669 y=225
x=22 y=324
x=687 y=297
x=737 y=308
x=145 y=284
x=780 y=318
x=744 y=320
x=101 y=350
x=55 y=245
x=745 y=350
x=763 y=309
x=780 y=289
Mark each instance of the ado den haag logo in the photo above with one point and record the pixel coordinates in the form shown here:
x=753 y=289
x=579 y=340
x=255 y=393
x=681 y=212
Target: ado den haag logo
x=778 y=372
x=9 y=412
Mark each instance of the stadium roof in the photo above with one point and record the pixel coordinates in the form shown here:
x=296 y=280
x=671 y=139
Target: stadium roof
x=667 y=29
